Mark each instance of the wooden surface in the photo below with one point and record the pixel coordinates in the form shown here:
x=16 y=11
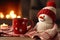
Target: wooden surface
x=15 y=38
x=19 y=38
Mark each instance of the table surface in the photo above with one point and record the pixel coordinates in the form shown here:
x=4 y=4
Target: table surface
x=15 y=38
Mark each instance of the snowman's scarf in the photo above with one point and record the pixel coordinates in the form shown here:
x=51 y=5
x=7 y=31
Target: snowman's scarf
x=46 y=35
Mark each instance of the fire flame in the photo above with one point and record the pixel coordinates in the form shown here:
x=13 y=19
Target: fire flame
x=18 y=16
x=12 y=14
x=1 y=15
x=7 y=16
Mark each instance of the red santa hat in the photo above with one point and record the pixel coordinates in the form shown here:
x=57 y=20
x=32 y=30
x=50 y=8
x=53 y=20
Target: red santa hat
x=49 y=10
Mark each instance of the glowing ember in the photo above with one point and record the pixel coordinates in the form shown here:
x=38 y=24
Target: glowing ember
x=1 y=15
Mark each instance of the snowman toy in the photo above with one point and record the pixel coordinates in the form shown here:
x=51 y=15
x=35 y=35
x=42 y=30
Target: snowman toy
x=46 y=17
x=46 y=28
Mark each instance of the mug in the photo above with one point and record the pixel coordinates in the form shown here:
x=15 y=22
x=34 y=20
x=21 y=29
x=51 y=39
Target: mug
x=20 y=25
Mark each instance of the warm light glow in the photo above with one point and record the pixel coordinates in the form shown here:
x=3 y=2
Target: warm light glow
x=12 y=14
x=4 y=24
x=1 y=15
x=18 y=16
x=7 y=16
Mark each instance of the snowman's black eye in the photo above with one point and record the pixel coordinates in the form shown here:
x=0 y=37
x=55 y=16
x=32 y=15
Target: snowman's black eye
x=44 y=16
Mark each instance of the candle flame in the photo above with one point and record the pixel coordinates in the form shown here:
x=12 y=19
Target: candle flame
x=4 y=24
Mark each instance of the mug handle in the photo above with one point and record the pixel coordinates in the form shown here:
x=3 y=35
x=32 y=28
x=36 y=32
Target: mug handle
x=31 y=25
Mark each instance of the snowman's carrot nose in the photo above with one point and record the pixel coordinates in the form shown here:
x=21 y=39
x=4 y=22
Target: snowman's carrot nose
x=42 y=17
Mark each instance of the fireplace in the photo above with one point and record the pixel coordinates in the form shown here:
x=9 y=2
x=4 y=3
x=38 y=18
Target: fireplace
x=18 y=8
x=9 y=9
x=8 y=6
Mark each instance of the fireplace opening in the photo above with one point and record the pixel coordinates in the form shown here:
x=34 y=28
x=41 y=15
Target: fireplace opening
x=7 y=6
x=9 y=9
